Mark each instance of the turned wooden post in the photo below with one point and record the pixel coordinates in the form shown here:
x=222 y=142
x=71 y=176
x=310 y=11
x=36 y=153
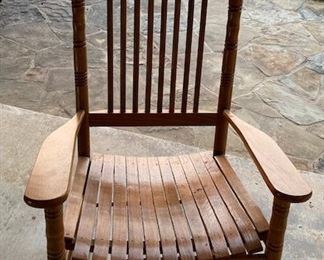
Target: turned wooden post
x=278 y=223
x=55 y=233
x=80 y=74
x=228 y=69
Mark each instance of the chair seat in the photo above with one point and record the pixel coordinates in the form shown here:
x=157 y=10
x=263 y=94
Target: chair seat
x=189 y=206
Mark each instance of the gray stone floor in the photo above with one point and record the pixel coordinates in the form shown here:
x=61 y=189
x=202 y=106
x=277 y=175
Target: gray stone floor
x=22 y=234
x=279 y=85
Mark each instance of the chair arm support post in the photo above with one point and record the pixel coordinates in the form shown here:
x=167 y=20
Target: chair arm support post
x=55 y=233
x=227 y=77
x=278 y=223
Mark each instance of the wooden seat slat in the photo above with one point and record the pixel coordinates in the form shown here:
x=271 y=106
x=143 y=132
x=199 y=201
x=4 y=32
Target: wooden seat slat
x=74 y=202
x=89 y=211
x=151 y=229
x=104 y=225
x=135 y=224
x=168 y=238
x=248 y=203
x=162 y=207
x=180 y=223
x=224 y=217
x=244 y=224
x=198 y=231
x=120 y=232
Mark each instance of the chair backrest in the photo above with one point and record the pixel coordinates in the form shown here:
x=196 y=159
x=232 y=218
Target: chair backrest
x=156 y=114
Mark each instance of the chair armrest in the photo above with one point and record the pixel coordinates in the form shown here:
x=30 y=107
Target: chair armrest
x=49 y=182
x=283 y=179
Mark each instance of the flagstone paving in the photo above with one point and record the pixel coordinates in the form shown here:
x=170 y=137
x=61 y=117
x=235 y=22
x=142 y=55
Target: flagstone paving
x=279 y=84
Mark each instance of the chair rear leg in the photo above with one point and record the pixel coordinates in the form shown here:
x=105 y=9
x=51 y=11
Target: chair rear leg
x=55 y=233
x=278 y=223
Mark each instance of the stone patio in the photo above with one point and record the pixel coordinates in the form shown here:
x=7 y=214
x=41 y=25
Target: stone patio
x=279 y=85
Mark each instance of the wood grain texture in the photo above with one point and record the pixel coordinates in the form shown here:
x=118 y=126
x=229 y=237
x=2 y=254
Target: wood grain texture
x=55 y=233
x=214 y=230
x=150 y=225
x=192 y=213
x=280 y=175
x=246 y=200
x=135 y=224
x=244 y=224
x=167 y=234
x=74 y=202
x=228 y=70
x=224 y=217
x=104 y=223
x=153 y=119
x=120 y=234
x=81 y=73
x=277 y=230
x=89 y=211
x=181 y=228
x=49 y=182
x=162 y=207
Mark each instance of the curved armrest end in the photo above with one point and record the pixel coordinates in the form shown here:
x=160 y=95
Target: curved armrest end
x=283 y=179
x=49 y=182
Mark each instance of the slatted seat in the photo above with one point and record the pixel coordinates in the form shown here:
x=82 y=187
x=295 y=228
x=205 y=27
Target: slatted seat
x=186 y=206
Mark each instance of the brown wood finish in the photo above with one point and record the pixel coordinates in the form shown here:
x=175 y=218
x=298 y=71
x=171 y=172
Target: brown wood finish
x=149 y=53
x=74 y=202
x=110 y=56
x=49 y=182
x=159 y=199
x=164 y=12
x=228 y=69
x=248 y=203
x=162 y=119
x=190 y=19
x=81 y=74
x=104 y=224
x=137 y=16
x=123 y=46
x=88 y=214
x=278 y=172
x=201 y=43
x=150 y=226
x=175 y=46
x=187 y=207
x=55 y=233
x=278 y=225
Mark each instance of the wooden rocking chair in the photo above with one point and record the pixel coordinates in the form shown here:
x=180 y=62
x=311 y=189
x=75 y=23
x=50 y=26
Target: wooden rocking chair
x=190 y=206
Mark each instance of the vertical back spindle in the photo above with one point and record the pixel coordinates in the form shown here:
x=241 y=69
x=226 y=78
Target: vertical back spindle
x=191 y=6
x=149 y=52
x=228 y=69
x=110 y=56
x=137 y=13
x=164 y=9
x=123 y=37
x=80 y=73
x=201 y=43
x=175 y=45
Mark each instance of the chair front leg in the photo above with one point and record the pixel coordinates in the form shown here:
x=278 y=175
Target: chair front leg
x=278 y=223
x=55 y=233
